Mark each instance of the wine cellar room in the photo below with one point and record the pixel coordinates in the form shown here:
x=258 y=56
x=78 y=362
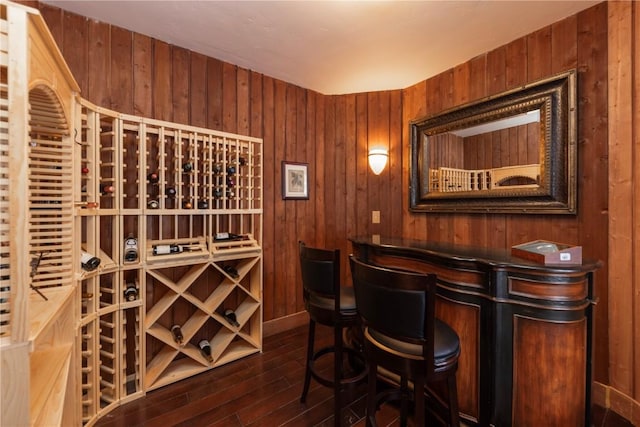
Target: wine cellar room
x=145 y=236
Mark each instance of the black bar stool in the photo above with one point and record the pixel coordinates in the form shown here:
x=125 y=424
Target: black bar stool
x=328 y=303
x=403 y=336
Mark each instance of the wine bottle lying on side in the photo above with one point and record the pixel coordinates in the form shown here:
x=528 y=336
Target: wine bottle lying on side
x=225 y=236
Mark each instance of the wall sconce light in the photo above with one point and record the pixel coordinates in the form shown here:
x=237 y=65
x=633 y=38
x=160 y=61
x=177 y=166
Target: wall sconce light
x=378 y=159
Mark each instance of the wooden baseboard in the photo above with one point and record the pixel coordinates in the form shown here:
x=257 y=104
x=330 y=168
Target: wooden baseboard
x=623 y=405
x=281 y=324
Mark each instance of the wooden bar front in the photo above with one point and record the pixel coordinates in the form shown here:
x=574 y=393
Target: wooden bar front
x=525 y=329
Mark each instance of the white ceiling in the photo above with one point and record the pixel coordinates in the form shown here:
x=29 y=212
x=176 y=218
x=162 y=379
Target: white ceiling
x=334 y=47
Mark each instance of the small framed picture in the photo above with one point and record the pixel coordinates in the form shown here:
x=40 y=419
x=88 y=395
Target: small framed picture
x=295 y=180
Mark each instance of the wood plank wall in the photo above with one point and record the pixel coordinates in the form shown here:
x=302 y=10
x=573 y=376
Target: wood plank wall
x=624 y=186
x=135 y=74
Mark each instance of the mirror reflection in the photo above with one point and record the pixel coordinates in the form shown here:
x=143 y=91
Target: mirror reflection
x=489 y=156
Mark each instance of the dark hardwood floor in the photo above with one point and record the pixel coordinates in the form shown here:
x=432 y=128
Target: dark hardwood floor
x=260 y=390
x=263 y=390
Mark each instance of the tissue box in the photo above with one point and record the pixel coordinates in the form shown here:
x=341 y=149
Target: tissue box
x=546 y=252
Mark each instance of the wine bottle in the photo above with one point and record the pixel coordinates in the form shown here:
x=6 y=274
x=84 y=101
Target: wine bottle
x=153 y=204
x=205 y=349
x=228 y=236
x=166 y=249
x=187 y=167
x=242 y=161
x=230 y=193
x=88 y=262
x=230 y=181
x=217 y=168
x=170 y=192
x=231 y=170
x=231 y=271
x=84 y=170
x=187 y=204
x=130 y=249
x=176 y=331
x=203 y=204
x=131 y=292
x=230 y=315
x=107 y=188
x=217 y=193
x=153 y=178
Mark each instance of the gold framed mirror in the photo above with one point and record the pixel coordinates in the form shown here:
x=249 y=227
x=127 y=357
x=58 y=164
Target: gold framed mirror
x=514 y=152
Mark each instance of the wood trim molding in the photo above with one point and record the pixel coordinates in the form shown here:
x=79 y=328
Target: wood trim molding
x=281 y=324
x=610 y=398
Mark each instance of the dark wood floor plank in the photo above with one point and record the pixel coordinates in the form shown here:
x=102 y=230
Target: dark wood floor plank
x=260 y=390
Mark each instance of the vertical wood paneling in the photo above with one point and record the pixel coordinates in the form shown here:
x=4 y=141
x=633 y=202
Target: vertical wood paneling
x=303 y=216
x=329 y=235
x=121 y=71
x=242 y=101
x=539 y=54
x=142 y=76
x=75 y=46
x=397 y=180
x=636 y=207
x=53 y=17
x=351 y=173
x=288 y=245
x=307 y=220
x=214 y=93
x=362 y=164
x=162 y=101
x=229 y=97
x=180 y=67
x=198 y=90
x=281 y=263
x=593 y=165
x=515 y=63
x=378 y=137
x=621 y=213
x=271 y=193
x=564 y=46
x=339 y=185
x=98 y=89
x=319 y=200
x=413 y=107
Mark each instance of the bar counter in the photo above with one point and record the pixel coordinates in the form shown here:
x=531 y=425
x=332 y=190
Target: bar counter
x=525 y=329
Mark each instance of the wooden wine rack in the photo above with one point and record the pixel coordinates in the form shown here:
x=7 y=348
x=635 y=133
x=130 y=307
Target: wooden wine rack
x=207 y=182
x=85 y=172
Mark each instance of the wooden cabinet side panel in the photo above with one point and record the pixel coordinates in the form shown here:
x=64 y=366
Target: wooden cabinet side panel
x=549 y=365
x=465 y=320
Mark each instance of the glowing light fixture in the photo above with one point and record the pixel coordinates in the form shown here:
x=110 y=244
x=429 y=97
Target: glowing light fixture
x=378 y=159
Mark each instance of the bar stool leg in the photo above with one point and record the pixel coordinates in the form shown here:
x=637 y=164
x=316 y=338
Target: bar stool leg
x=404 y=407
x=454 y=415
x=418 y=391
x=307 y=370
x=371 y=395
x=337 y=376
